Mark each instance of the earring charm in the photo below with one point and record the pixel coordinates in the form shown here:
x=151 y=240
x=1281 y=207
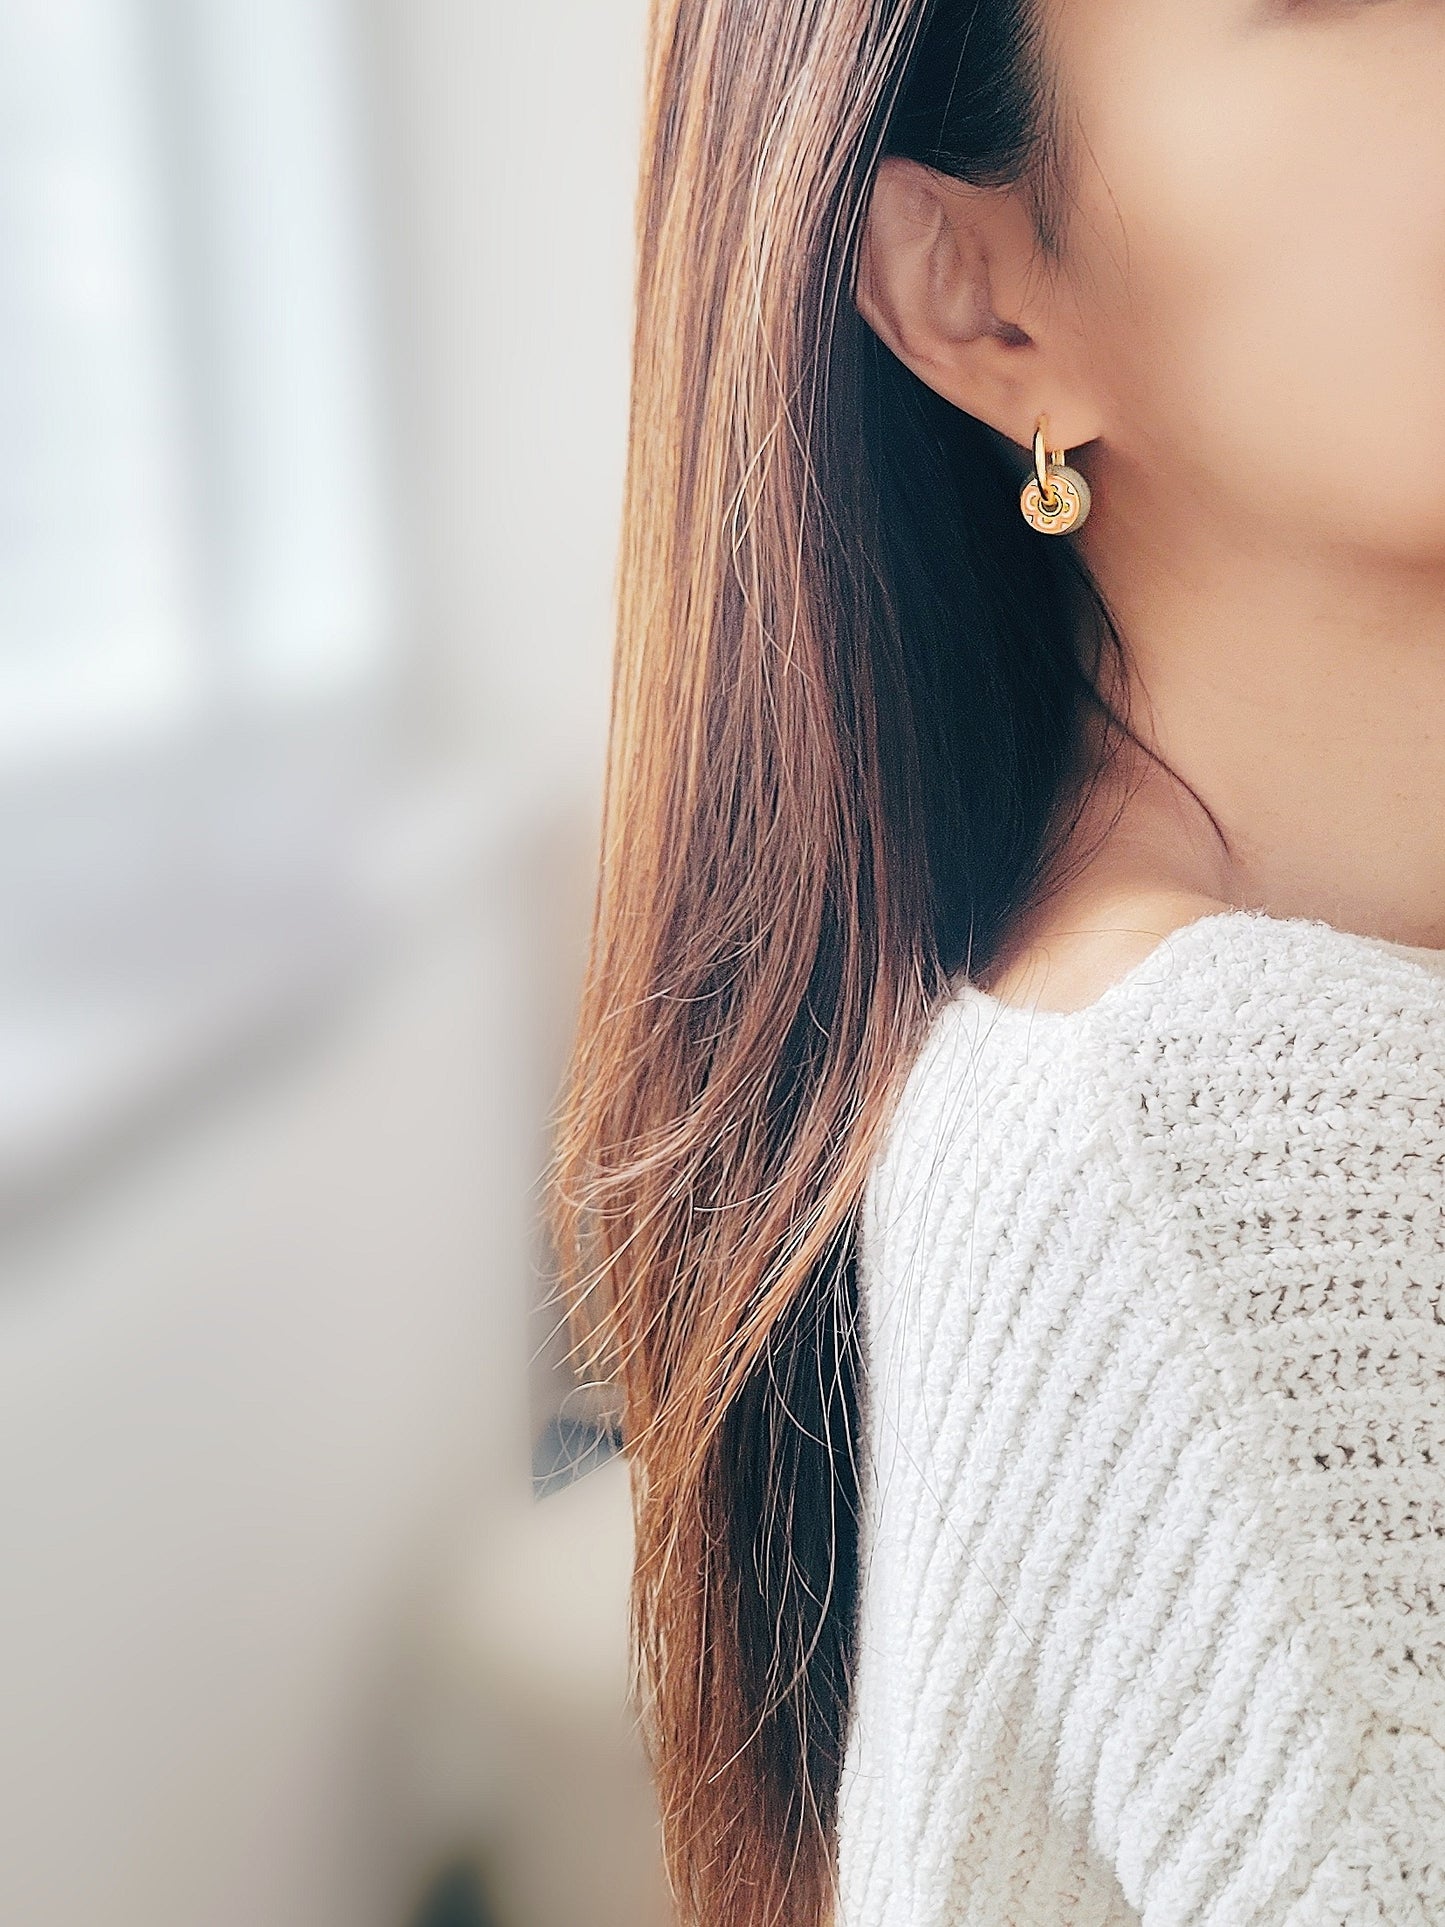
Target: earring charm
x=1055 y=498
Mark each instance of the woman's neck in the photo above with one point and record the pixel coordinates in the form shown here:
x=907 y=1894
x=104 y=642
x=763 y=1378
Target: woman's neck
x=1304 y=701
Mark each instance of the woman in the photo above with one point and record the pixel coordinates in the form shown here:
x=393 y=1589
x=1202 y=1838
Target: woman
x=1004 y=1156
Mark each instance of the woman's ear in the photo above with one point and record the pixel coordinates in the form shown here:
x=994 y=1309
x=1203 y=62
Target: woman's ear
x=949 y=279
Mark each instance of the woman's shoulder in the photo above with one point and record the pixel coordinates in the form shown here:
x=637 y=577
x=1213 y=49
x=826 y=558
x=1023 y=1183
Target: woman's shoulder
x=1221 y=1024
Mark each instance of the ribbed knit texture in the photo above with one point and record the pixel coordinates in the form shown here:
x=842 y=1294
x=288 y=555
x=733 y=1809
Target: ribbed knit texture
x=1152 y=1622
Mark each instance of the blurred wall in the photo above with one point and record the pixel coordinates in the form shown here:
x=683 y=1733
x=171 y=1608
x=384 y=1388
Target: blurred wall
x=505 y=178
x=247 y=1388
x=263 y=1363
x=505 y=181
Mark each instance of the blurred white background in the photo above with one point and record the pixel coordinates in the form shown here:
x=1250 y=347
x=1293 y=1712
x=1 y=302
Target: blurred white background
x=314 y=319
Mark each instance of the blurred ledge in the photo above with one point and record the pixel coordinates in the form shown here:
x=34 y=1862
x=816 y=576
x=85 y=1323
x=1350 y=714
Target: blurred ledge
x=570 y=1447
x=118 y=1001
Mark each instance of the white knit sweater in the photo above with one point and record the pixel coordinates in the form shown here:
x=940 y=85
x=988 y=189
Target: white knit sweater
x=1152 y=1626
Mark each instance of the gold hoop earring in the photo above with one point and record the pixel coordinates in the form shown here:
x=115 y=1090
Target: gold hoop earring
x=1056 y=497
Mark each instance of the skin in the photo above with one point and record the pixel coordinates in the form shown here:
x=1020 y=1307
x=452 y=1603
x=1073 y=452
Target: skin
x=1242 y=347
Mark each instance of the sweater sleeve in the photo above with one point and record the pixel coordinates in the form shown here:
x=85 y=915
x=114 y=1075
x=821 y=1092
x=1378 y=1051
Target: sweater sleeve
x=1085 y=1694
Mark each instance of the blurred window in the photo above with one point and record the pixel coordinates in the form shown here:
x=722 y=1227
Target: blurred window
x=197 y=611
x=190 y=506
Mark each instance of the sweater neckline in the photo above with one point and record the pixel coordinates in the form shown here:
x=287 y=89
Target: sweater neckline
x=1171 y=952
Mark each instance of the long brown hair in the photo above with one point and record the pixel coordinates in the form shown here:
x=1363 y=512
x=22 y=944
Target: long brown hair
x=846 y=693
